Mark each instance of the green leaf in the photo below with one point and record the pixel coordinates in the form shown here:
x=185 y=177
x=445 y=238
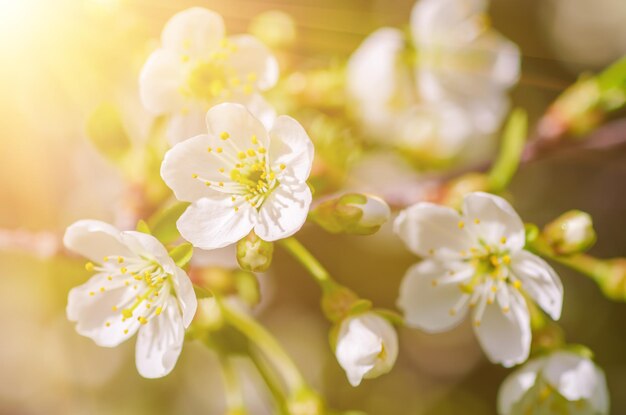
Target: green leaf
x=142 y=226
x=163 y=222
x=182 y=254
x=513 y=140
x=106 y=131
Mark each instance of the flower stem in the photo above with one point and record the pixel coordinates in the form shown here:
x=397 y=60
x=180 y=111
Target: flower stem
x=308 y=261
x=271 y=380
x=234 y=393
x=260 y=337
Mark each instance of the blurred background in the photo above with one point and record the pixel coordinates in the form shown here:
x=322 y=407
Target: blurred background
x=61 y=59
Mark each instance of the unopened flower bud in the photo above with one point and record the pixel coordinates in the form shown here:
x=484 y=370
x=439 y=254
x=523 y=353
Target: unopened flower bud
x=208 y=316
x=275 y=28
x=457 y=189
x=352 y=213
x=571 y=232
x=254 y=254
x=366 y=346
x=306 y=402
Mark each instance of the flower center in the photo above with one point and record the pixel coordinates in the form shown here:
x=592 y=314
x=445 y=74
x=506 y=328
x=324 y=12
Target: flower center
x=216 y=78
x=147 y=279
x=248 y=176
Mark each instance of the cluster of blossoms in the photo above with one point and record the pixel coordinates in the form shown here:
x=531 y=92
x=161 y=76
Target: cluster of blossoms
x=244 y=173
x=440 y=92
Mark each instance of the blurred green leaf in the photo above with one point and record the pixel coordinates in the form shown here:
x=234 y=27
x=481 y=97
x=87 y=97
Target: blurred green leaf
x=182 y=254
x=142 y=226
x=106 y=131
x=513 y=140
x=163 y=222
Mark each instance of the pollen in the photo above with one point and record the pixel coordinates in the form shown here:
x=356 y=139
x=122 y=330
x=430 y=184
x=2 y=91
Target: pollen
x=219 y=149
x=102 y=289
x=194 y=176
x=221 y=169
x=461 y=224
x=241 y=155
x=224 y=135
x=110 y=278
x=120 y=259
x=503 y=240
x=123 y=270
x=108 y=324
x=114 y=308
x=254 y=140
x=282 y=166
x=506 y=259
x=517 y=284
x=476 y=221
x=262 y=150
x=127 y=313
x=209 y=149
x=89 y=266
x=125 y=331
x=158 y=310
x=142 y=320
x=92 y=293
x=251 y=152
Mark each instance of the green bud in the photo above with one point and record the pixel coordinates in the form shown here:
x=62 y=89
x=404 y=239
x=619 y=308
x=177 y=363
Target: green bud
x=306 y=402
x=254 y=254
x=570 y=233
x=339 y=301
x=353 y=213
x=457 y=189
x=208 y=315
x=611 y=277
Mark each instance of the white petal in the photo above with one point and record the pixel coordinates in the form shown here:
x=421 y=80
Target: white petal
x=145 y=245
x=576 y=378
x=436 y=20
x=540 y=281
x=429 y=229
x=367 y=347
x=240 y=125
x=284 y=211
x=253 y=58
x=372 y=69
x=182 y=126
x=92 y=308
x=194 y=32
x=159 y=82
x=290 y=145
x=517 y=384
x=185 y=295
x=427 y=305
x=185 y=160
x=505 y=337
x=261 y=109
x=160 y=342
x=496 y=220
x=94 y=239
x=210 y=224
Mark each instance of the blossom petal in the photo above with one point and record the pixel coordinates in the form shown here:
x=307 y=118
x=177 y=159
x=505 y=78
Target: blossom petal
x=194 y=32
x=577 y=378
x=95 y=240
x=291 y=146
x=253 y=62
x=284 y=211
x=92 y=309
x=210 y=224
x=182 y=126
x=493 y=220
x=427 y=304
x=145 y=245
x=505 y=336
x=261 y=109
x=429 y=229
x=160 y=342
x=186 y=296
x=540 y=281
x=188 y=166
x=240 y=125
x=435 y=20
x=159 y=82
x=517 y=384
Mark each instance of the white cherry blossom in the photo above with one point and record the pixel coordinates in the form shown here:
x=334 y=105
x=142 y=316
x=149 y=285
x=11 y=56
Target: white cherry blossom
x=137 y=288
x=241 y=177
x=475 y=263
x=197 y=66
x=367 y=347
x=561 y=383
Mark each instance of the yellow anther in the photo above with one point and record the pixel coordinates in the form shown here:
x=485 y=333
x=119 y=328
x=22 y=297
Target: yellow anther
x=224 y=135
x=107 y=324
x=125 y=331
x=120 y=259
x=476 y=221
x=236 y=209
x=221 y=184
x=461 y=224
x=105 y=259
x=89 y=266
x=207 y=183
x=158 y=310
x=92 y=293
x=251 y=152
x=494 y=260
x=114 y=308
x=221 y=169
x=135 y=287
x=431 y=251
x=194 y=176
x=517 y=284
x=102 y=289
x=254 y=140
x=506 y=309
x=262 y=150
x=506 y=259
x=219 y=149
x=110 y=278
x=282 y=166
x=137 y=277
x=127 y=283
x=477 y=323
x=184 y=58
x=209 y=149
x=503 y=240
x=241 y=155
x=494 y=288
x=148 y=305
x=233 y=198
x=434 y=283
x=142 y=320
x=127 y=313
x=123 y=270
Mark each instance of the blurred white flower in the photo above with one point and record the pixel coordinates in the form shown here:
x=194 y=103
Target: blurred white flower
x=367 y=347
x=475 y=260
x=137 y=287
x=241 y=177
x=460 y=58
x=198 y=67
x=561 y=383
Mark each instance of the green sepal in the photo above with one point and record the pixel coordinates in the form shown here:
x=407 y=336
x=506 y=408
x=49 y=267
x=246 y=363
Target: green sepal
x=392 y=316
x=143 y=227
x=182 y=254
x=360 y=306
x=163 y=222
